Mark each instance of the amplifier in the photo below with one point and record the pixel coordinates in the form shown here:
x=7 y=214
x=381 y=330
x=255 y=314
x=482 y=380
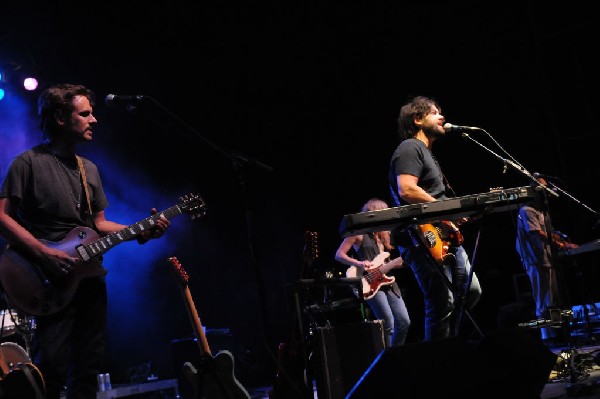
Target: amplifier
x=343 y=353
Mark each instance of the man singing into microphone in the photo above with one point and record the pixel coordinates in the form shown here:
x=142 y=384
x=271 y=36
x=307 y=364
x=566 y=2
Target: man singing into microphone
x=416 y=177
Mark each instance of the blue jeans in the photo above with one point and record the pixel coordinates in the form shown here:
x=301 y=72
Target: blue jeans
x=388 y=306
x=544 y=289
x=439 y=300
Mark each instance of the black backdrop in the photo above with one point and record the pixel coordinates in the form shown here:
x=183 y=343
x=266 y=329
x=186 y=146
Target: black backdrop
x=312 y=91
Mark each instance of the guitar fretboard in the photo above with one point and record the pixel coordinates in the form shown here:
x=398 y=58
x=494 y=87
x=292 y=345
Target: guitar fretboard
x=103 y=244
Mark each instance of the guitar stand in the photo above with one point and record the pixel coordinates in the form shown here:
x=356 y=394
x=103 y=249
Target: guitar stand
x=459 y=297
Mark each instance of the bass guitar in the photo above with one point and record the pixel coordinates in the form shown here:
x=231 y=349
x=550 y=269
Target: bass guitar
x=375 y=277
x=30 y=289
x=213 y=377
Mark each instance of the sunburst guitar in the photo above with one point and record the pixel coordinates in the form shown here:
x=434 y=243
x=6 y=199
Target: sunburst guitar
x=438 y=237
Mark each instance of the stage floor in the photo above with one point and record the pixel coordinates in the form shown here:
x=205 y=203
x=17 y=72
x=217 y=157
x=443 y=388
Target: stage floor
x=576 y=373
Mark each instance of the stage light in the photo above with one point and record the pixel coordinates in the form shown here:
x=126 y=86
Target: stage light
x=16 y=79
x=1 y=93
x=30 y=84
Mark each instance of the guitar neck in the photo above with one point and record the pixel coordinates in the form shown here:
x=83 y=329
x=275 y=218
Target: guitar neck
x=103 y=244
x=195 y=320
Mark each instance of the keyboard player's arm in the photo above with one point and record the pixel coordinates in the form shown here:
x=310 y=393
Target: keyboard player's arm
x=412 y=193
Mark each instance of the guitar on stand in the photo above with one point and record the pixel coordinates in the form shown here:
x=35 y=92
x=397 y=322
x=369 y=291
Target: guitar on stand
x=292 y=379
x=213 y=377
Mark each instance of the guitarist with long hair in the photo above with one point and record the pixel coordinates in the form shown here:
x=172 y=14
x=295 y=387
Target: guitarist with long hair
x=416 y=177
x=47 y=193
x=370 y=261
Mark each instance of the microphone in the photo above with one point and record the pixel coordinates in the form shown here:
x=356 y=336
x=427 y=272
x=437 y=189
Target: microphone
x=455 y=128
x=113 y=99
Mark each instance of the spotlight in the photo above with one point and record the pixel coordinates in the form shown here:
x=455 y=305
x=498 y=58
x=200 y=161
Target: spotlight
x=30 y=84
x=14 y=78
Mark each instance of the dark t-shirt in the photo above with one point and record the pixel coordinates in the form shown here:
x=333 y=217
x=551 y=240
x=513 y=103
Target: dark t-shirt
x=412 y=157
x=48 y=189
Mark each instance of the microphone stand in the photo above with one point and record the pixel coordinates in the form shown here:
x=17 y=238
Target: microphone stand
x=579 y=273
x=543 y=191
x=240 y=163
x=553 y=189
x=572 y=198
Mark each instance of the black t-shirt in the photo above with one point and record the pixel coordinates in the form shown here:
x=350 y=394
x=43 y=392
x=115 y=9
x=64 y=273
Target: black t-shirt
x=412 y=157
x=48 y=189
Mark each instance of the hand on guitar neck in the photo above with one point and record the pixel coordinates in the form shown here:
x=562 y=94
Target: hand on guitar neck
x=35 y=289
x=562 y=241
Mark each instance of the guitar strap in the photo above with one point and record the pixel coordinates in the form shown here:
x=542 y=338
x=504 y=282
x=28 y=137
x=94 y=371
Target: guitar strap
x=84 y=180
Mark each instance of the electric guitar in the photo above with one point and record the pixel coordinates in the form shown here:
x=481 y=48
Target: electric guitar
x=213 y=377
x=375 y=277
x=438 y=237
x=291 y=380
x=30 y=289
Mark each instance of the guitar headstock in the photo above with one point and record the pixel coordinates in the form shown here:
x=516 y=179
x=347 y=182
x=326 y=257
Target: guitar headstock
x=182 y=277
x=193 y=204
x=311 y=249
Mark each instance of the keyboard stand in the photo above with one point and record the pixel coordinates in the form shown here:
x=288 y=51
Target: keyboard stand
x=459 y=297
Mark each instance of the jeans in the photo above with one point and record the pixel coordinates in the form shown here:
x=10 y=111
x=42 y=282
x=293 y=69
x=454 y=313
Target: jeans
x=544 y=289
x=387 y=305
x=438 y=298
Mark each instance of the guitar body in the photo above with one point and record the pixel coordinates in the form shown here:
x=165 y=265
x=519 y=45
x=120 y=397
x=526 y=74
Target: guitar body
x=374 y=278
x=215 y=378
x=30 y=289
x=439 y=237
x=35 y=292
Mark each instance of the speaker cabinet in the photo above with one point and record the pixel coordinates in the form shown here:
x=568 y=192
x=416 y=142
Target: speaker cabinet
x=343 y=353
x=510 y=363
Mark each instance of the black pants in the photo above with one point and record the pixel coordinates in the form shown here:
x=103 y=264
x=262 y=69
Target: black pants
x=69 y=346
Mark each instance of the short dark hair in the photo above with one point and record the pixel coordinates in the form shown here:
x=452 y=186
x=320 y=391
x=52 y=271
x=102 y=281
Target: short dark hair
x=57 y=100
